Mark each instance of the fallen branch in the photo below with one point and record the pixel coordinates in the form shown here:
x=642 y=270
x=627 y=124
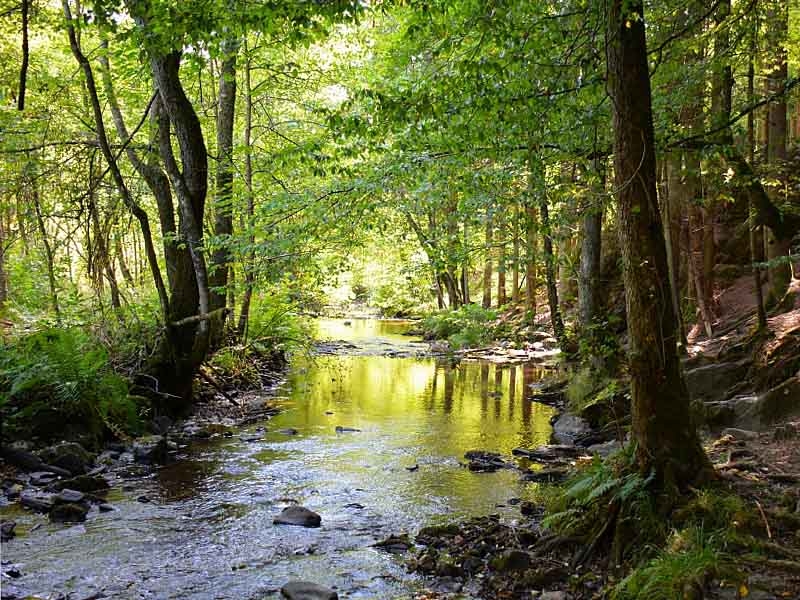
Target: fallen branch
x=764 y=517
x=211 y=381
x=198 y=318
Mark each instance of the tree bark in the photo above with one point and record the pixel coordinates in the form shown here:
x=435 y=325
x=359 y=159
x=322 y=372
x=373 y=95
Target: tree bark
x=777 y=247
x=666 y=440
x=591 y=253
x=23 y=69
x=751 y=149
x=249 y=264
x=502 y=234
x=487 y=265
x=223 y=198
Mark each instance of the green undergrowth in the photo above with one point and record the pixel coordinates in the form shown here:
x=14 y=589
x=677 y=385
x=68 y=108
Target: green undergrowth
x=470 y=326
x=669 y=545
x=58 y=383
x=275 y=331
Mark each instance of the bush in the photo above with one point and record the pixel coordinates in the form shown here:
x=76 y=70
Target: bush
x=275 y=326
x=59 y=381
x=469 y=326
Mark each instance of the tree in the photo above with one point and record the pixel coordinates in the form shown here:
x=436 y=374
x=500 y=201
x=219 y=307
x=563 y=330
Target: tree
x=665 y=438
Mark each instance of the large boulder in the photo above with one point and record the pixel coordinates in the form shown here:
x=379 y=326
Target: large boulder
x=714 y=382
x=298 y=515
x=68 y=455
x=305 y=590
x=568 y=427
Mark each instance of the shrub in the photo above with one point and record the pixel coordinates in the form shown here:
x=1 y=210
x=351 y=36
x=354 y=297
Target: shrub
x=469 y=326
x=59 y=380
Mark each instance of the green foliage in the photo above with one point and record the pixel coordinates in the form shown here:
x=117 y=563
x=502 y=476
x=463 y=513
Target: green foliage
x=60 y=378
x=275 y=326
x=690 y=558
x=469 y=326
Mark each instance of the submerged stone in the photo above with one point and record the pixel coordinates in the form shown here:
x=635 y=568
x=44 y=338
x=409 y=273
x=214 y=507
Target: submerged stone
x=298 y=515
x=306 y=590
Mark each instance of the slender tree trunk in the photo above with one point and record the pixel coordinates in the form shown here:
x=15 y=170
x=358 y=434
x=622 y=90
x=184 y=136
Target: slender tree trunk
x=249 y=264
x=49 y=255
x=502 y=234
x=465 y=295
x=591 y=253
x=23 y=69
x=550 y=273
x=3 y=272
x=751 y=148
x=530 y=261
x=487 y=265
x=666 y=440
x=119 y=251
x=223 y=198
x=777 y=247
x=515 y=258
x=671 y=218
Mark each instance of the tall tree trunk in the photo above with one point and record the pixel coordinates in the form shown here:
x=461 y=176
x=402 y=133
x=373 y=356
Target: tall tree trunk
x=249 y=261
x=666 y=440
x=487 y=265
x=49 y=254
x=465 y=295
x=515 y=258
x=23 y=69
x=671 y=219
x=502 y=234
x=777 y=247
x=223 y=198
x=530 y=259
x=3 y=272
x=550 y=272
x=591 y=252
x=755 y=256
x=123 y=263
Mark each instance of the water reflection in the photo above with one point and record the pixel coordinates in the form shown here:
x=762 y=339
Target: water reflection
x=207 y=530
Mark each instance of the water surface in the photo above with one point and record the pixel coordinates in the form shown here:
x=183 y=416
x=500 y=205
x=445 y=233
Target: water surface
x=207 y=531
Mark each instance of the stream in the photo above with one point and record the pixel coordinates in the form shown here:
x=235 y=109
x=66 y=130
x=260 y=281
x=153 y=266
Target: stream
x=206 y=531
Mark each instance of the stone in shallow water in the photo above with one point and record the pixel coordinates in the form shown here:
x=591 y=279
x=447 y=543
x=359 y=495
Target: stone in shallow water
x=34 y=500
x=305 y=590
x=67 y=496
x=69 y=513
x=298 y=515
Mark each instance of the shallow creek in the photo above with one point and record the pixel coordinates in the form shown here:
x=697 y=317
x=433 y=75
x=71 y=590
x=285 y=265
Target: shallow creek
x=207 y=530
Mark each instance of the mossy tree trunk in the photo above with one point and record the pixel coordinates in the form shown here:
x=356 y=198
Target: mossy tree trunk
x=666 y=440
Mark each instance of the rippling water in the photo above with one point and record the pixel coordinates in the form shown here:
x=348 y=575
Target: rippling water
x=208 y=532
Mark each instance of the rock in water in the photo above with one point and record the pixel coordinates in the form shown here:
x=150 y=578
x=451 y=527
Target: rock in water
x=68 y=455
x=67 y=496
x=341 y=429
x=305 y=590
x=7 y=530
x=69 y=513
x=298 y=515
x=38 y=501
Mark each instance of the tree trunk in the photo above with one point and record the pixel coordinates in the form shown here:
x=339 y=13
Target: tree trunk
x=777 y=248
x=671 y=220
x=515 y=258
x=550 y=272
x=666 y=440
x=23 y=69
x=591 y=253
x=755 y=256
x=530 y=262
x=49 y=255
x=502 y=234
x=223 y=198
x=487 y=265
x=249 y=264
